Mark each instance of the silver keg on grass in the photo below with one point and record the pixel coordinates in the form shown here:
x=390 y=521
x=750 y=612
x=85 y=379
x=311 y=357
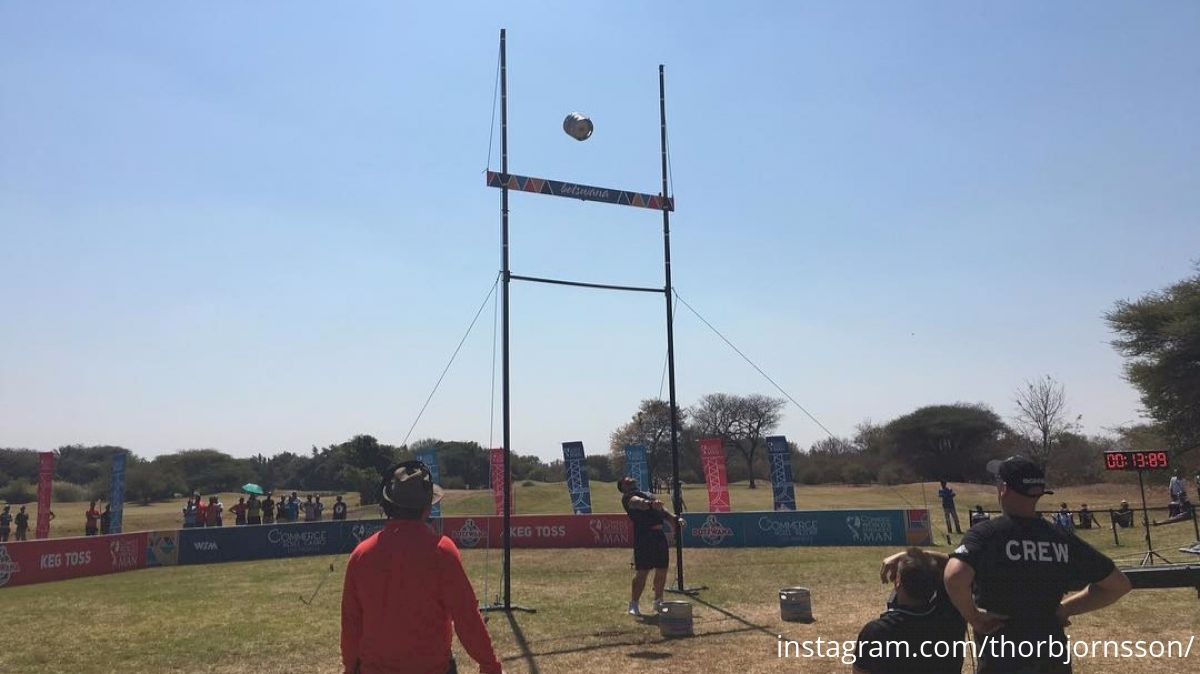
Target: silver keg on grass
x=795 y=605
x=675 y=619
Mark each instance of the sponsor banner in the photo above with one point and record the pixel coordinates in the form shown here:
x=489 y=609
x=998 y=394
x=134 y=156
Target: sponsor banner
x=575 y=463
x=541 y=531
x=919 y=530
x=797 y=528
x=45 y=487
x=116 y=494
x=235 y=544
x=429 y=458
x=557 y=188
x=712 y=458
x=62 y=558
x=162 y=548
x=636 y=466
x=782 y=486
x=497 y=482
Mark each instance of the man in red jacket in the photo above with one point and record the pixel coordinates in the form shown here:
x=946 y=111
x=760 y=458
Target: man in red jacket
x=406 y=592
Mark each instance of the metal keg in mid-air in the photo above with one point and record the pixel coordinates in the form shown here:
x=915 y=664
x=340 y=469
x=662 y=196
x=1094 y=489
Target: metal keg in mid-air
x=578 y=126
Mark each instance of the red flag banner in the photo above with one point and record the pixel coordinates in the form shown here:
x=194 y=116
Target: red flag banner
x=45 y=487
x=712 y=458
x=498 y=481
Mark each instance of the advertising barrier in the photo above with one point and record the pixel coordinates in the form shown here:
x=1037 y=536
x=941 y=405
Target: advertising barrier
x=806 y=528
x=61 y=558
x=162 y=548
x=236 y=544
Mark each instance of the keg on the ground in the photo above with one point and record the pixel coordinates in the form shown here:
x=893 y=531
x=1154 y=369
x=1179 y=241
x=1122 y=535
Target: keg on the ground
x=795 y=605
x=675 y=619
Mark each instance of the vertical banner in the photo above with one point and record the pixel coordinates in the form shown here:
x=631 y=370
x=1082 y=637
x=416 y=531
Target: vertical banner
x=781 y=473
x=498 y=481
x=116 y=494
x=712 y=458
x=636 y=466
x=577 y=478
x=45 y=486
x=429 y=458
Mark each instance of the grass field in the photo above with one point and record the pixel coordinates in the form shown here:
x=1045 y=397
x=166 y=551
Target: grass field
x=248 y=616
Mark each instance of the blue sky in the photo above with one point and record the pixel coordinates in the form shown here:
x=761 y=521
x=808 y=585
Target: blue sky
x=263 y=226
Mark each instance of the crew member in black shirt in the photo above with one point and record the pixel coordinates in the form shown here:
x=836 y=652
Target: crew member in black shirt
x=650 y=549
x=918 y=614
x=1009 y=576
x=339 y=509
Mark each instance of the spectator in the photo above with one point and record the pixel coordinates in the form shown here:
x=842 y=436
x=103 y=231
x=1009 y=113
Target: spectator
x=212 y=515
x=293 y=508
x=918 y=612
x=5 y=522
x=978 y=515
x=407 y=626
x=318 y=508
x=22 y=522
x=268 y=510
x=189 y=514
x=1063 y=519
x=947 y=496
x=106 y=520
x=201 y=512
x=1177 y=488
x=1086 y=519
x=310 y=509
x=339 y=509
x=1123 y=516
x=281 y=512
x=92 y=516
x=239 y=512
x=254 y=510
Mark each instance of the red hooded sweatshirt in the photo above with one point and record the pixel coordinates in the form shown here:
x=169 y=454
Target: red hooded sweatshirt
x=405 y=595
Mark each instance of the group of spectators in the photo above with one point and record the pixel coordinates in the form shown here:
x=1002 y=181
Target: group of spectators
x=7 y=519
x=255 y=510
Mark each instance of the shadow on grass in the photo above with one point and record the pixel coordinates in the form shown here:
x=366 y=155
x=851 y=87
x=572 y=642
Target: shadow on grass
x=528 y=655
x=729 y=614
x=523 y=644
x=650 y=655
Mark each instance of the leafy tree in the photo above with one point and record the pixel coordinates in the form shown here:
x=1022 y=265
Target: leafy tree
x=947 y=442
x=1160 y=335
x=651 y=428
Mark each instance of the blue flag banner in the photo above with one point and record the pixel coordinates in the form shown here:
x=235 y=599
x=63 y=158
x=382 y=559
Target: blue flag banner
x=116 y=496
x=636 y=467
x=577 y=478
x=781 y=473
x=429 y=458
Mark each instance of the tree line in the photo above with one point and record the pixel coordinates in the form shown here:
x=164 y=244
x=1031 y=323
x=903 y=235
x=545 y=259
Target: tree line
x=1159 y=334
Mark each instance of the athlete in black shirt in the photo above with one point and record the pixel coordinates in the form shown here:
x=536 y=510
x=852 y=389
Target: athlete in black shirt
x=650 y=549
x=1009 y=575
x=919 y=615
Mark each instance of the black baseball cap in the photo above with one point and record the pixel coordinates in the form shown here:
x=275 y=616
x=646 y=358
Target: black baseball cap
x=1021 y=475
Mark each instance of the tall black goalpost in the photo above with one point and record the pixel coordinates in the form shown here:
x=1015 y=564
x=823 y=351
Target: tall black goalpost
x=663 y=202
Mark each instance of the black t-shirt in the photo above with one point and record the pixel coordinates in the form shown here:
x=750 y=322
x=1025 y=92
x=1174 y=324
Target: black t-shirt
x=339 y=510
x=937 y=621
x=22 y=520
x=5 y=519
x=643 y=519
x=1023 y=567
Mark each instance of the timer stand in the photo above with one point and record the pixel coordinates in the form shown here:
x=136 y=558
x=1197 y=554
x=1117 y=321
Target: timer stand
x=1149 y=557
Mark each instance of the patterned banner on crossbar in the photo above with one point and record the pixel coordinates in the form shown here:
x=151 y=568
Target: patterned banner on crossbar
x=582 y=192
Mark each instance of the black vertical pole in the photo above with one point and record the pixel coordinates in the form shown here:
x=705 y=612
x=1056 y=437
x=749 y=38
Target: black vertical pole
x=504 y=277
x=1149 y=558
x=677 y=502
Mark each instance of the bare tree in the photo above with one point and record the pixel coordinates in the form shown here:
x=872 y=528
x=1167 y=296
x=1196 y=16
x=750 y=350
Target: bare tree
x=1042 y=416
x=741 y=421
x=651 y=428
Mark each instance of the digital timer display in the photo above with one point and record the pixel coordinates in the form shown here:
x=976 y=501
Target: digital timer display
x=1136 y=460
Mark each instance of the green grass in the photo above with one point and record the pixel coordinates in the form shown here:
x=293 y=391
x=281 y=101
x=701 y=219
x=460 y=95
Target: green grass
x=248 y=617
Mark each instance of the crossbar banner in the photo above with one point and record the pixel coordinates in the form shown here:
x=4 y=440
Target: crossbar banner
x=575 y=463
x=497 y=473
x=558 y=188
x=429 y=458
x=780 y=459
x=45 y=487
x=712 y=458
x=636 y=466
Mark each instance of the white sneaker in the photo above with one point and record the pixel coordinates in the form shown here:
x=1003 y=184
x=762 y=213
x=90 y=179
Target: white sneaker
x=634 y=610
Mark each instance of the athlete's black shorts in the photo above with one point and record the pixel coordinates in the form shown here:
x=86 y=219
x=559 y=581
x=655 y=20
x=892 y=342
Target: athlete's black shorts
x=650 y=552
